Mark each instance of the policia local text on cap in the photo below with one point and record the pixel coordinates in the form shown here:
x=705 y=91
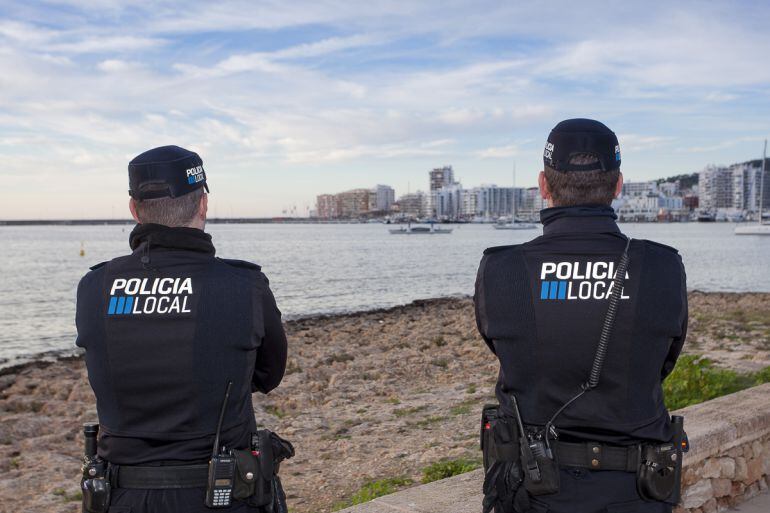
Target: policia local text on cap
x=586 y=323
x=176 y=342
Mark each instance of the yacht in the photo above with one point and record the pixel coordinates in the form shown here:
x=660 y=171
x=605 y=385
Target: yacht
x=419 y=230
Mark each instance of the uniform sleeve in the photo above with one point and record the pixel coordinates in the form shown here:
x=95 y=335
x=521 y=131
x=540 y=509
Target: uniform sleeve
x=479 y=304
x=271 y=358
x=678 y=341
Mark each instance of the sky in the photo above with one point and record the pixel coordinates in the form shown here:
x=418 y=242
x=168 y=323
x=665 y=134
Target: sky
x=285 y=100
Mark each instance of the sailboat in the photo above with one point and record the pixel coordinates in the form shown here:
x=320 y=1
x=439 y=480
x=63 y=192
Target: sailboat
x=760 y=228
x=513 y=225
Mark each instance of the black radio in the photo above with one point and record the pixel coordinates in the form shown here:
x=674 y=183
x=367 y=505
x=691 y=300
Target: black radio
x=219 y=488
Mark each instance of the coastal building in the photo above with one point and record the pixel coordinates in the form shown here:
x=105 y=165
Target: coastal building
x=636 y=189
x=716 y=188
x=447 y=202
x=490 y=201
x=384 y=197
x=353 y=203
x=438 y=178
x=414 y=205
x=733 y=191
x=531 y=203
x=441 y=177
x=326 y=206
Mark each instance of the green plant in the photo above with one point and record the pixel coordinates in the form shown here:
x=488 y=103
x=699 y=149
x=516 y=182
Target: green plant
x=373 y=489
x=439 y=341
x=447 y=468
x=403 y=412
x=695 y=379
x=77 y=495
x=275 y=410
x=463 y=408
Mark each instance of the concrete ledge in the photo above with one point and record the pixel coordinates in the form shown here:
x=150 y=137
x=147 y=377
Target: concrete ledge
x=729 y=463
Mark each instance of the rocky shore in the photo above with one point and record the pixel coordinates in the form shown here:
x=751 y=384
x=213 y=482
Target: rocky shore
x=366 y=395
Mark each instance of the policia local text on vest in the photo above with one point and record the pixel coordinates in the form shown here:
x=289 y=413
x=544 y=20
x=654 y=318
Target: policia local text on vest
x=176 y=341
x=581 y=426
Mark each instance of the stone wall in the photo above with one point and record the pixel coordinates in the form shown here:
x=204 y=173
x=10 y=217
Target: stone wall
x=730 y=459
x=729 y=462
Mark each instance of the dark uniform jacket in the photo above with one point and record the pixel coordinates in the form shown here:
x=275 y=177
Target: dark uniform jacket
x=164 y=329
x=540 y=307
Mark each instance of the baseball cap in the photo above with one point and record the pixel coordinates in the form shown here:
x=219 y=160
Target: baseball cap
x=166 y=171
x=580 y=135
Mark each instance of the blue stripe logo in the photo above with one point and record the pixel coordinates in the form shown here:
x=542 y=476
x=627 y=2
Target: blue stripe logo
x=553 y=290
x=120 y=305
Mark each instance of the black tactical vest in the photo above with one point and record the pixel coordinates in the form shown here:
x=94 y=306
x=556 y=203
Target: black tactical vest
x=540 y=307
x=164 y=329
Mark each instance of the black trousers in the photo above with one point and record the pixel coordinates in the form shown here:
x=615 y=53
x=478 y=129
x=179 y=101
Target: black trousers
x=596 y=491
x=186 y=500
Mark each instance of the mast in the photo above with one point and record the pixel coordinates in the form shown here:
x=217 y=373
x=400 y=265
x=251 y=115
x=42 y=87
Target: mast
x=513 y=194
x=762 y=183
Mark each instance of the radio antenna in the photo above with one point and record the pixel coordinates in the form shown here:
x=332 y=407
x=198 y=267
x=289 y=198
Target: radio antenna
x=215 y=449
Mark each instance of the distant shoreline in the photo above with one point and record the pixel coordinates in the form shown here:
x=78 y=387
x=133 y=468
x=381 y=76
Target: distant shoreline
x=279 y=220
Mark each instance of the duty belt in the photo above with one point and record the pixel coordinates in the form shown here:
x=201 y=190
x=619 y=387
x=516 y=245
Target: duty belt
x=158 y=478
x=597 y=456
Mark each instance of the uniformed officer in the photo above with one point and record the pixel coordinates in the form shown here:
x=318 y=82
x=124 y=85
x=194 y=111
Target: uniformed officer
x=540 y=307
x=165 y=328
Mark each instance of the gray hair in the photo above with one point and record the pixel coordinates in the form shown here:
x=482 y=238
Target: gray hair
x=179 y=211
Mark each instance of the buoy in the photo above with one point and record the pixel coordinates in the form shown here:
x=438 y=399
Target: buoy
x=82 y=250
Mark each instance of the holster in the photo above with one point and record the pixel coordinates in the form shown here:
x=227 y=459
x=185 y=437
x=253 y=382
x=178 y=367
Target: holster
x=95 y=486
x=541 y=470
x=499 y=437
x=659 y=477
x=256 y=477
x=503 y=477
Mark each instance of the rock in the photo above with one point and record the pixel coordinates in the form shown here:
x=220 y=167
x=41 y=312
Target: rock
x=7 y=380
x=698 y=494
x=741 y=470
x=710 y=506
x=753 y=470
x=721 y=487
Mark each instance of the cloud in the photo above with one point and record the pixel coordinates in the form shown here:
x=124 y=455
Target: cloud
x=304 y=92
x=498 y=152
x=636 y=142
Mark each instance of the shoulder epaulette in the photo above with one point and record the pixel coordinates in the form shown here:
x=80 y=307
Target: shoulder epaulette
x=97 y=266
x=658 y=244
x=240 y=263
x=497 y=249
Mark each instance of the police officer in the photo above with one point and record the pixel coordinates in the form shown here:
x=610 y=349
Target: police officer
x=541 y=308
x=165 y=329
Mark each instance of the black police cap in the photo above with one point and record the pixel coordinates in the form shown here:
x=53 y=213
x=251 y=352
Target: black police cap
x=165 y=171
x=581 y=136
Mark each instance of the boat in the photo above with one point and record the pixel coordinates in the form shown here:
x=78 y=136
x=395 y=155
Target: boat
x=514 y=225
x=419 y=230
x=760 y=228
x=705 y=216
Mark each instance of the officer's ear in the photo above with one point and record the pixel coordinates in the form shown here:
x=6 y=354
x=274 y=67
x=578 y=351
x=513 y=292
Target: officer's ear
x=619 y=186
x=545 y=192
x=132 y=208
x=203 y=208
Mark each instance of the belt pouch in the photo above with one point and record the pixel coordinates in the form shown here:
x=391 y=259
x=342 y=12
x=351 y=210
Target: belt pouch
x=549 y=477
x=656 y=479
x=255 y=471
